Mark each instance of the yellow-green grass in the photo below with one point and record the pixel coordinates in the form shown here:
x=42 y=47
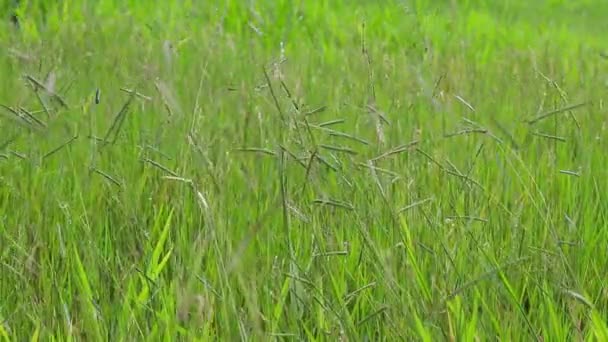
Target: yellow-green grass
x=303 y=170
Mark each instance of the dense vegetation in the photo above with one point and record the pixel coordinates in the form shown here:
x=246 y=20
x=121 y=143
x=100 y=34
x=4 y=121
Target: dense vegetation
x=306 y=170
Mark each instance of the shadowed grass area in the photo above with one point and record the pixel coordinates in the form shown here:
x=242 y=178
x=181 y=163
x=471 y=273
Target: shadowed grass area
x=303 y=170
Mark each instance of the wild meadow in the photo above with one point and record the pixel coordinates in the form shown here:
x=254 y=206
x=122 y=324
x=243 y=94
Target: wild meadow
x=304 y=170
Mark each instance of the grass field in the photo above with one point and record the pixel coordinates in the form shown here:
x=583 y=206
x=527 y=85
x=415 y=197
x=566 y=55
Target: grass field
x=304 y=170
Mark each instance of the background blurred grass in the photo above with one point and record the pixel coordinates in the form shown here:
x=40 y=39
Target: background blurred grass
x=303 y=170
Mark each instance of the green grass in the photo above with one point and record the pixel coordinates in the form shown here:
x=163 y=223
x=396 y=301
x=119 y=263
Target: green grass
x=304 y=170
